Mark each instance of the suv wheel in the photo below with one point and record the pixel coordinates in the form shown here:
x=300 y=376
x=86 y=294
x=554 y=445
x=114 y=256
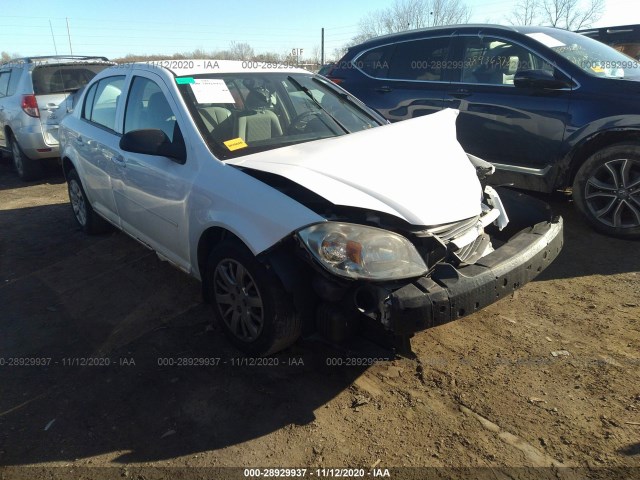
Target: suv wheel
x=26 y=168
x=249 y=301
x=87 y=218
x=607 y=190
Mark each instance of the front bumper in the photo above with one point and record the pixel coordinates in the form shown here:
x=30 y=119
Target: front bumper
x=451 y=293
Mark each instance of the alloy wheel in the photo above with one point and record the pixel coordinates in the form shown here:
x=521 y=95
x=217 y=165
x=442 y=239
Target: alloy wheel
x=238 y=299
x=77 y=202
x=612 y=193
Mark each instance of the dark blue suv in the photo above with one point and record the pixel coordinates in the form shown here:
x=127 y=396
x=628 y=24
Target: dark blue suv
x=551 y=109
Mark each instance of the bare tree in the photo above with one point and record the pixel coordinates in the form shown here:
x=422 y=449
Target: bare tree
x=269 y=57
x=525 y=12
x=241 y=51
x=410 y=14
x=448 y=12
x=6 y=56
x=572 y=14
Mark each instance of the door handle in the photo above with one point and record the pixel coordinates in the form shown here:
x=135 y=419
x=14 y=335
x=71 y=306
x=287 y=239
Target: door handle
x=460 y=93
x=384 y=89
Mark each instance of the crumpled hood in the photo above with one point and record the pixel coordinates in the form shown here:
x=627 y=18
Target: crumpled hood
x=414 y=169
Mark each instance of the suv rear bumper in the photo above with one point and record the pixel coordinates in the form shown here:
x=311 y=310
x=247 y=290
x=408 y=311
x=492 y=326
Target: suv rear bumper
x=451 y=293
x=32 y=143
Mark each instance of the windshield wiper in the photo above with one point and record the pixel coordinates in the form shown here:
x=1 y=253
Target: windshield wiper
x=308 y=93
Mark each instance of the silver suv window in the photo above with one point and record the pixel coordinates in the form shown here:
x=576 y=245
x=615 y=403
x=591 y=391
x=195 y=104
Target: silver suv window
x=4 y=83
x=48 y=79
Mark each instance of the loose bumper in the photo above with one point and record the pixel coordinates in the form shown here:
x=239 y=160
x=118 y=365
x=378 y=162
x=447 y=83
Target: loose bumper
x=451 y=293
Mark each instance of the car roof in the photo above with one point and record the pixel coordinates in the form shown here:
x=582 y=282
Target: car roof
x=451 y=30
x=55 y=59
x=181 y=68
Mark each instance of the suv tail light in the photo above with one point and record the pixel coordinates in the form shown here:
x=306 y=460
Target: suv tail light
x=30 y=105
x=335 y=80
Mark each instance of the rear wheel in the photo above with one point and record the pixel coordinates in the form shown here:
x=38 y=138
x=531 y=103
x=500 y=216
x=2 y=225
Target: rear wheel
x=26 y=168
x=249 y=301
x=87 y=218
x=607 y=190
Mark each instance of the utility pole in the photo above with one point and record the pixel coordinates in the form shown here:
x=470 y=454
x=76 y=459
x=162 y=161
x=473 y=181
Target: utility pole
x=322 y=47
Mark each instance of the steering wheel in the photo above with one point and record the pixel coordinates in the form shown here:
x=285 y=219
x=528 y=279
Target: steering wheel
x=299 y=122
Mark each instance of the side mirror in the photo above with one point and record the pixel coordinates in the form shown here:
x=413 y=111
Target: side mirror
x=153 y=142
x=540 y=79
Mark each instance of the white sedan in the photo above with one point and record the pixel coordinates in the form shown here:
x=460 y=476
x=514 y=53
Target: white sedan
x=297 y=206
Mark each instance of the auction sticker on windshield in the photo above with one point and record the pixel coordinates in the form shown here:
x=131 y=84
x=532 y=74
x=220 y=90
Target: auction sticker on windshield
x=211 y=90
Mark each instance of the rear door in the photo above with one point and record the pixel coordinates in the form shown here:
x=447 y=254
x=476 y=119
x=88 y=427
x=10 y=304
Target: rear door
x=406 y=79
x=97 y=140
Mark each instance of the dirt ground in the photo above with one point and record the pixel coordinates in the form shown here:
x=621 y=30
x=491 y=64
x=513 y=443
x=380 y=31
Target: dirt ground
x=547 y=378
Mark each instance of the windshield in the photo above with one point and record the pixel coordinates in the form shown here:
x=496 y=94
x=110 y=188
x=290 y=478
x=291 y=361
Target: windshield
x=243 y=113
x=593 y=57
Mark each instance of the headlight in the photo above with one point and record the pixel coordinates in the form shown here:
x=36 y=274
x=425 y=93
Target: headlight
x=360 y=252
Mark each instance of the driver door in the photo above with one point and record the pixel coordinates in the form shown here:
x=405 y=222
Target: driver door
x=152 y=193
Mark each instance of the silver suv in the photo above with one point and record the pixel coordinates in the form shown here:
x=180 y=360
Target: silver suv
x=35 y=94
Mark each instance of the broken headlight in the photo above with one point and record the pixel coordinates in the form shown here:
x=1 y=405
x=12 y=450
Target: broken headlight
x=361 y=252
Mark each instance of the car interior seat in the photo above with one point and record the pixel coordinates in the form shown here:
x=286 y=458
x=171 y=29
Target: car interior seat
x=257 y=122
x=213 y=116
x=159 y=114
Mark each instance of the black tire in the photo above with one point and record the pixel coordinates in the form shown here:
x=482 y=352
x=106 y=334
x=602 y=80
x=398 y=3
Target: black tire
x=249 y=301
x=90 y=222
x=26 y=168
x=606 y=190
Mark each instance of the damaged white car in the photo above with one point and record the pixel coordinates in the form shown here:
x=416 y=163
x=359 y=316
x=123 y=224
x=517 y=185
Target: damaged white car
x=298 y=207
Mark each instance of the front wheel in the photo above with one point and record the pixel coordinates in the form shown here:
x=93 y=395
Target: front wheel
x=606 y=190
x=249 y=301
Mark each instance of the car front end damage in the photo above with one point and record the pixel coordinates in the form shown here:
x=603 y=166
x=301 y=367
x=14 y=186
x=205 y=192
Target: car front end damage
x=469 y=265
x=407 y=236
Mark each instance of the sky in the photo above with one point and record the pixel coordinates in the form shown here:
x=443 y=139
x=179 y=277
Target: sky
x=114 y=28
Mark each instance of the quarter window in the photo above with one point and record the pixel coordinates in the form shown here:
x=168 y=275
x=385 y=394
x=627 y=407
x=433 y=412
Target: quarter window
x=376 y=62
x=4 y=82
x=16 y=74
x=102 y=101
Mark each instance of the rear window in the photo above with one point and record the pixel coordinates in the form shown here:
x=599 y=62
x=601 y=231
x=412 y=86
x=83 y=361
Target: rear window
x=49 y=79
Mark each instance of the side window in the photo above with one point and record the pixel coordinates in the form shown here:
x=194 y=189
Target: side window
x=88 y=101
x=102 y=102
x=4 y=82
x=376 y=62
x=495 y=61
x=16 y=74
x=420 y=60
x=147 y=107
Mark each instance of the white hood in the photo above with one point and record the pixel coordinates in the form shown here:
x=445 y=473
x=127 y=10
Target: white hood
x=415 y=170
